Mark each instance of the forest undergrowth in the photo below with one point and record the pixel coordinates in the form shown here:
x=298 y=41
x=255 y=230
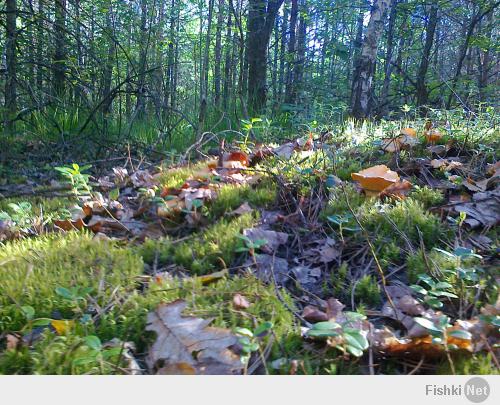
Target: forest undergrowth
x=332 y=249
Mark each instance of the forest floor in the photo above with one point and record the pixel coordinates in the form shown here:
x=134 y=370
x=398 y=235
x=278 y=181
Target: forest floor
x=351 y=250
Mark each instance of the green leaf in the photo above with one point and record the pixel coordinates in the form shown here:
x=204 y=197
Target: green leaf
x=460 y=334
x=93 y=342
x=243 y=332
x=427 y=324
x=418 y=289
x=65 y=293
x=42 y=322
x=354 y=316
x=28 y=311
x=433 y=302
x=355 y=338
x=262 y=328
x=114 y=194
x=442 y=284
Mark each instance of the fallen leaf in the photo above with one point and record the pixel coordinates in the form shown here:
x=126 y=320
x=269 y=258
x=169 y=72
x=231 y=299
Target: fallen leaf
x=210 y=278
x=313 y=314
x=242 y=209
x=62 y=326
x=482 y=210
x=376 y=178
x=265 y=266
x=187 y=345
x=273 y=239
x=398 y=190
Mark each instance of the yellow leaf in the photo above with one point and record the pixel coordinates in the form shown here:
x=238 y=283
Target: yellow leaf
x=62 y=326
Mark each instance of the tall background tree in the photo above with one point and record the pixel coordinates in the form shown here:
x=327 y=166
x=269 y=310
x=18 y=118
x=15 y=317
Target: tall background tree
x=168 y=70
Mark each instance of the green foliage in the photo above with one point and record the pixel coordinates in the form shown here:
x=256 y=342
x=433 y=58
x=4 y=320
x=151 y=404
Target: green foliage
x=77 y=180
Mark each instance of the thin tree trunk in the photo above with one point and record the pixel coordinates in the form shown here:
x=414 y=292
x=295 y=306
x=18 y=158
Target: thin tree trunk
x=384 y=104
x=422 y=94
x=11 y=61
x=362 y=85
x=261 y=15
x=59 y=63
x=292 y=42
x=218 y=53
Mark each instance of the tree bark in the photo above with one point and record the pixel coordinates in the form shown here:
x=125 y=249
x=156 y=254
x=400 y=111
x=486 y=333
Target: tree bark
x=362 y=85
x=422 y=93
x=59 y=63
x=11 y=61
x=261 y=15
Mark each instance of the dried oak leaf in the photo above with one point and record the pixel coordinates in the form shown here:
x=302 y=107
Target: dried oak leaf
x=273 y=239
x=376 y=178
x=483 y=210
x=187 y=345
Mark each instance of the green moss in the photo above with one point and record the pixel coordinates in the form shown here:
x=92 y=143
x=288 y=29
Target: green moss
x=203 y=253
x=427 y=196
x=230 y=197
x=32 y=269
x=212 y=301
x=367 y=291
x=176 y=177
x=208 y=250
x=337 y=204
x=408 y=218
x=38 y=204
x=476 y=364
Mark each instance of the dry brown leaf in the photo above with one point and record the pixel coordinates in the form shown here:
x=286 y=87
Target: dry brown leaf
x=188 y=345
x=483 y=210
x=376 y=178
x=398 y=190
x=242 y=209
x=273 y=239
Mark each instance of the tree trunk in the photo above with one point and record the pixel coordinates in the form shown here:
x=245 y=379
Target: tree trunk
x=463 y=52
x=261 y=15
x=218 y=53
x=384 y=103
x=484 y=57
x=141 y=85
x=11 y=61
x=362 y=85
x=422 y=93
x=59 y=63
x=289 y=92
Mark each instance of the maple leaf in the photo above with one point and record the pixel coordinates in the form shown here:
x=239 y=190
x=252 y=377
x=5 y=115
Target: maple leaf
x=187 y=345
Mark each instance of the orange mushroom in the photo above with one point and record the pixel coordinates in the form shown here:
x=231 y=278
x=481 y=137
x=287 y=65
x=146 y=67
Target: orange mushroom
x=376 y=178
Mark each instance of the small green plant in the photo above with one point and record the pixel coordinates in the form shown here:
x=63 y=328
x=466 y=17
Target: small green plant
x=20 y=214
x=74 y=176
x=347 y=338
x=96 y=353
x=250 y=246
x=434 y=291
x=250 y=341
x=439 y=331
